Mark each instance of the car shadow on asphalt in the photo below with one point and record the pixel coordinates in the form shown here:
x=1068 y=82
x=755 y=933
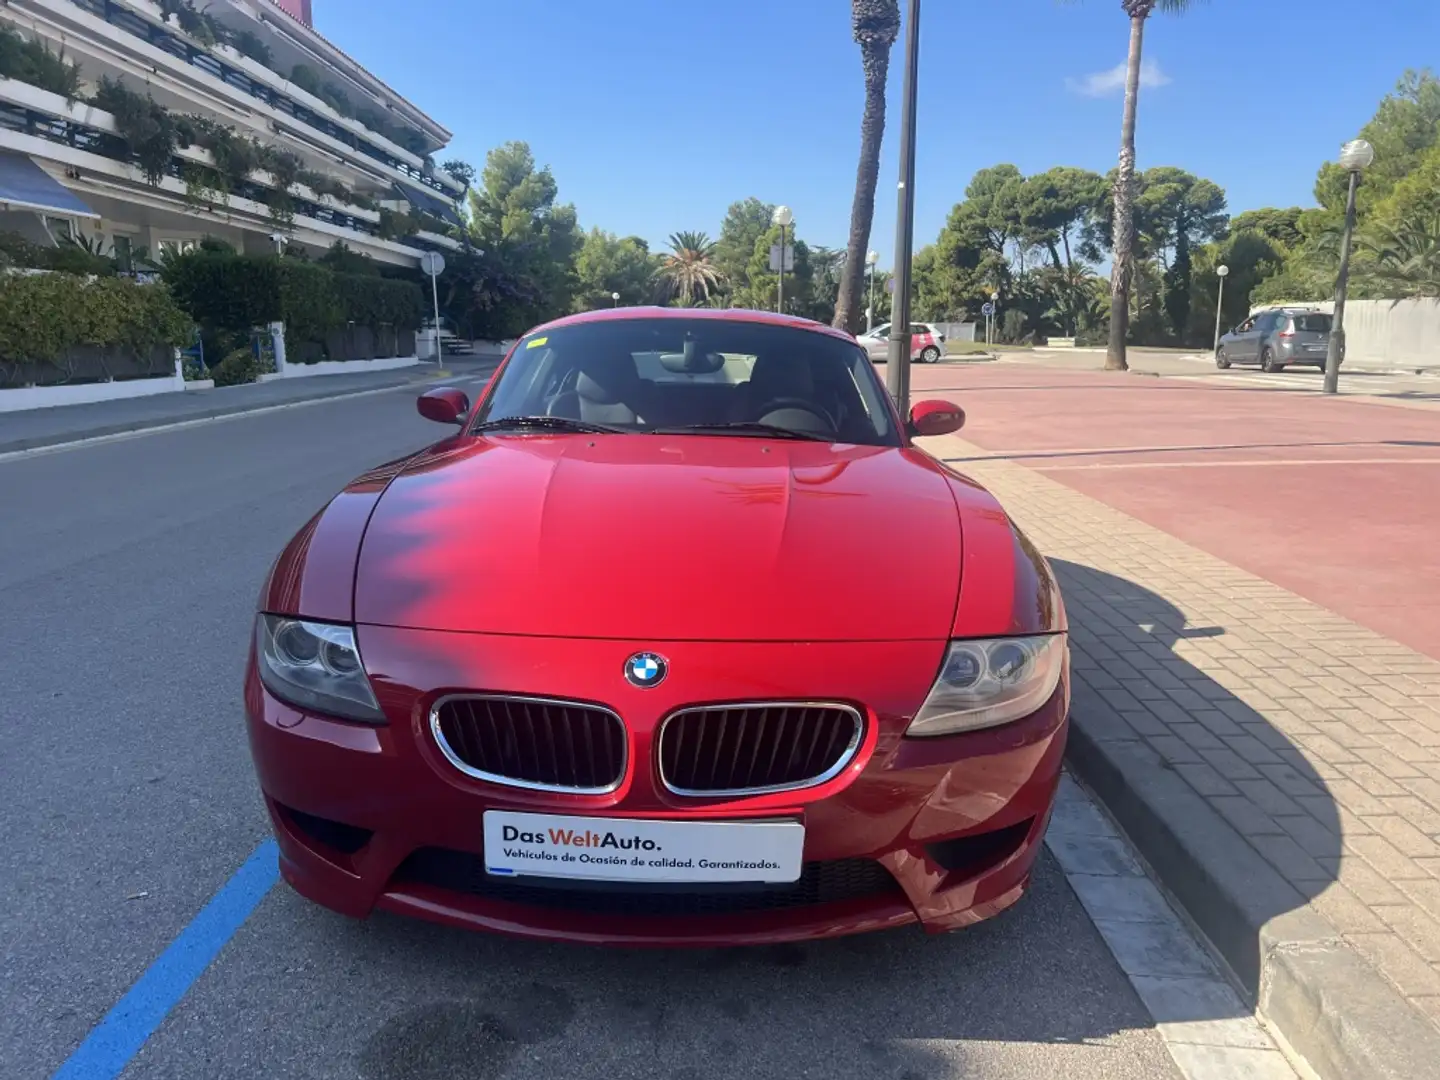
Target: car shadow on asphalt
x=897 y=1004
x=1231 y=816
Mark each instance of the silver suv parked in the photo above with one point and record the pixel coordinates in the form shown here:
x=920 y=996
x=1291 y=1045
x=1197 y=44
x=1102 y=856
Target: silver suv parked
x=1277 y=338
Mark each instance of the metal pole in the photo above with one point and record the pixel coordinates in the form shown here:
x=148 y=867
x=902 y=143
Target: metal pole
x=1342 y=285
x=898 y=372
x=1219 y=310
x=870 y=311
x=435 y=298
x=780 y=307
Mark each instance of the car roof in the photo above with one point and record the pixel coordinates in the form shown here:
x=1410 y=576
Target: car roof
x=714 y=314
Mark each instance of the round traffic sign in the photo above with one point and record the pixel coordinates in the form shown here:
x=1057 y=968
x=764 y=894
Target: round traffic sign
x=987 y=308
x=433 y=263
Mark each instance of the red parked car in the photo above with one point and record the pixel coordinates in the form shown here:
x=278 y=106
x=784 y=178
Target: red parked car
x=626 y=657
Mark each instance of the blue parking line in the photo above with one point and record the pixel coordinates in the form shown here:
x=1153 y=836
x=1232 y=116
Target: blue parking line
x=113 y=1043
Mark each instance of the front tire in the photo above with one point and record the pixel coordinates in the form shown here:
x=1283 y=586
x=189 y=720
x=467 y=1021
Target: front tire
x=1267 y=362
x=1222 y=361
x=929 y=355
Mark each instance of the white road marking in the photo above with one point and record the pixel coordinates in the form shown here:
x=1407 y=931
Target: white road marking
x=1231 y=463
x=1210 y=1033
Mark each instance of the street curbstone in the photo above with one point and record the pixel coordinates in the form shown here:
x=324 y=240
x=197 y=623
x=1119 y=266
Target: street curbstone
x=1328 y=1004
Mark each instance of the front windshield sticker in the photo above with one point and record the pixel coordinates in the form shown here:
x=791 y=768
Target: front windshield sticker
x=536 y=343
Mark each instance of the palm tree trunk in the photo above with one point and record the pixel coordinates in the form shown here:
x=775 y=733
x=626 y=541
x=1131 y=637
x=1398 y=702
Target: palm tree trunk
x=1123 y=271
x=876 y=60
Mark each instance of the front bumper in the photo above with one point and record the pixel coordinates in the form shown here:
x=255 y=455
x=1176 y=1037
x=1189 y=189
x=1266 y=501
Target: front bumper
x=937 y=831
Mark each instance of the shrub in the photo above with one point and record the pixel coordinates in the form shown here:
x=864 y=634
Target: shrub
x=148 y=130
x=239 y=366
x=72 y=257
x=247 y=43
x=32 y=62
x=303 y=76
x=224 y=291
x=42 y=315
x=228 y=294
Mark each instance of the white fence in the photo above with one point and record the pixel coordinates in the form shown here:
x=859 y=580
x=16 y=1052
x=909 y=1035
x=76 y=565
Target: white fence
x=1384 y=334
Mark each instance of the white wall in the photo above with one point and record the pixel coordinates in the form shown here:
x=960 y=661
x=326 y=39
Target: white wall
x=1403 y=334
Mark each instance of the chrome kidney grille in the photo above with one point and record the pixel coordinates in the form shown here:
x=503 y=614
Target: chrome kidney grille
x=539 y=744
x=753 y=749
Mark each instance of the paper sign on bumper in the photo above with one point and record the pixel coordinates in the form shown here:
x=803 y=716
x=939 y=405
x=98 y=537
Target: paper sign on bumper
x=624 y=849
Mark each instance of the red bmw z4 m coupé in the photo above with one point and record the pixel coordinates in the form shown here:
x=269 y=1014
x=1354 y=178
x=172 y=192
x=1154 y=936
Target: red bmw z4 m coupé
x=631 y=656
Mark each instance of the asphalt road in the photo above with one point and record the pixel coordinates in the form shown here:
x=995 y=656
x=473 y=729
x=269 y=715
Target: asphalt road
x=129 y=571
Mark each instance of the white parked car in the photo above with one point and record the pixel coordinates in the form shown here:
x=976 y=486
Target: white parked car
x=927 y=345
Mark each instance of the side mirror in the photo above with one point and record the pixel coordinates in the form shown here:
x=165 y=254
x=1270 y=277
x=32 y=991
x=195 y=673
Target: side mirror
x=444 y=405
x=935 y=418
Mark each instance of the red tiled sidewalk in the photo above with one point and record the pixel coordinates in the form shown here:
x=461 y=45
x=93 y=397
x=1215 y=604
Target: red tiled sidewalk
x=1315 y=737
x=1334 y=500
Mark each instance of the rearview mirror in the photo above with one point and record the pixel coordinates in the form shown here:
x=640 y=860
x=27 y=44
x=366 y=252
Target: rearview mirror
x=444 y=405
x=936 y=418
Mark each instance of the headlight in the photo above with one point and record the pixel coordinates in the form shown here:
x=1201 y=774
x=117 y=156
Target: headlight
x=315 y=666
x=986 y=683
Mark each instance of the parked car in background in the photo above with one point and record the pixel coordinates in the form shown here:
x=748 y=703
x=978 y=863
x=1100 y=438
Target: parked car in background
x=1277 y=338
x=927 y=345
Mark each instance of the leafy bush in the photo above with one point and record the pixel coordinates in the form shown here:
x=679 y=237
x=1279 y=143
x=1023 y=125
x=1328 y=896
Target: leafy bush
x=42 y=315
x=32 y=62
x=247 y=43
x=239 y=366
x=1098 y=337
x=224 y=291
x=229 y=294
x=148 y=130
x=344 y=261
x=303 y=76
x=71 y=256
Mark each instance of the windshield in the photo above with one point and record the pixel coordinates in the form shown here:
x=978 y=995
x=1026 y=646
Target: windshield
x=709 y=376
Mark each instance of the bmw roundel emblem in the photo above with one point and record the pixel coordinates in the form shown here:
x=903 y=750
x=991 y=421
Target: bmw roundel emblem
x=646 y=669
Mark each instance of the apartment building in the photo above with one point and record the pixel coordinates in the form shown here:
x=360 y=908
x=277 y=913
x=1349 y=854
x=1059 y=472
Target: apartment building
x=343 y=156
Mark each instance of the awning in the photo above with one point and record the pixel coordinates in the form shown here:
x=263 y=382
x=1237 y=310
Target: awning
x=26 y=186
x=431 y=204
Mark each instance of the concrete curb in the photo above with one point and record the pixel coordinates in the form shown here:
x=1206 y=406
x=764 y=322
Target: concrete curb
x=1326 y=1001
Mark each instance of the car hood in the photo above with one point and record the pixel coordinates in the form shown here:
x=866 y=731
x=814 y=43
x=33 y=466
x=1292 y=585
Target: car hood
x=652 y=537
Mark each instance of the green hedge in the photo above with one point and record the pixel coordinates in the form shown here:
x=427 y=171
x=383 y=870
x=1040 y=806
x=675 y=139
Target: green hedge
x=228 y=293
x=43 y=315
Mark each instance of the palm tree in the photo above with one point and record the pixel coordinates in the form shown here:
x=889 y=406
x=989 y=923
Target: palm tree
x=876 y=25
x=1407 y=256
x=1124 y=231
x=689 y=273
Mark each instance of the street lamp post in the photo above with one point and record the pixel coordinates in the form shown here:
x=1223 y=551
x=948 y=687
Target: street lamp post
x=783 y=217
x=871 y=259
x=1355 y=157
x=898 y=370
x=1222 y=272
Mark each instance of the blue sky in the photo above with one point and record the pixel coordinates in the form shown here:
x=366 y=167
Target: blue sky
x=655 y=115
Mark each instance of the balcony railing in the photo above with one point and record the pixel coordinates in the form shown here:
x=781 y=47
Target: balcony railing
x=27 y=121
x=195 y=54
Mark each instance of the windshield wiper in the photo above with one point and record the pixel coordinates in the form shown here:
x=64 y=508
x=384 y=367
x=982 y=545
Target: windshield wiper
x=548 y=423
x=744 y=427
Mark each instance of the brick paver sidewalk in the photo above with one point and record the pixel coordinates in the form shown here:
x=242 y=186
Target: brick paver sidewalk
x=1318 y=739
